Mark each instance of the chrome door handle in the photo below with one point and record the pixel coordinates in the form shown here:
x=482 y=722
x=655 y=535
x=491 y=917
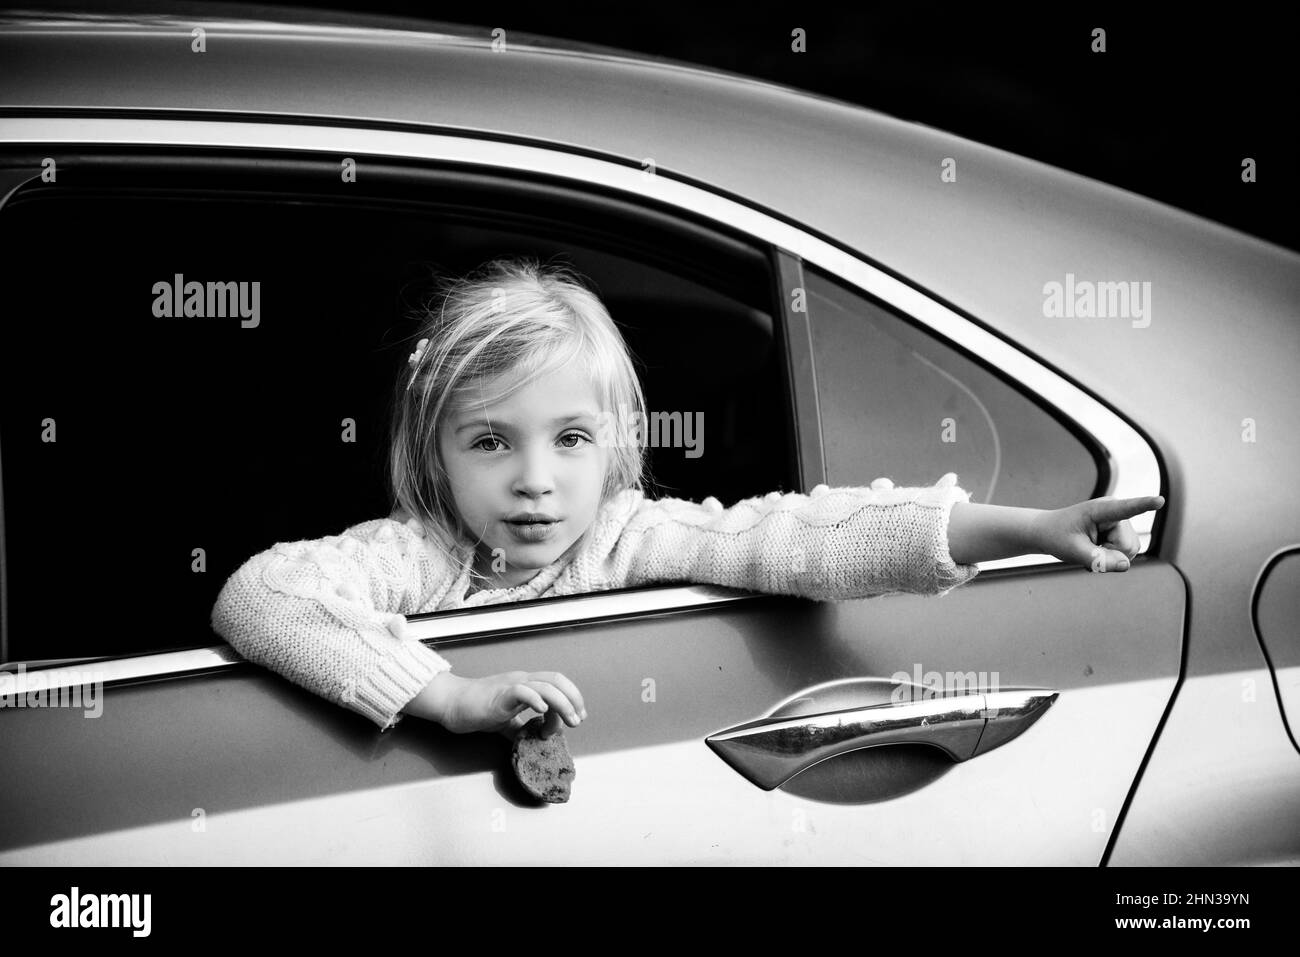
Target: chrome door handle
x=772 y=750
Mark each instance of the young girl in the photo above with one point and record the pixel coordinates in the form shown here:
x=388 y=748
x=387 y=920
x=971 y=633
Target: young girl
x=508 y=484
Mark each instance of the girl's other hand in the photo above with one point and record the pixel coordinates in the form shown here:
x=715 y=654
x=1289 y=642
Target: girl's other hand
x=506 y=702
x=1095 y=533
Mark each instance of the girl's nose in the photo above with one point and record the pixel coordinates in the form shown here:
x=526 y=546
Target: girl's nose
x=535 y=477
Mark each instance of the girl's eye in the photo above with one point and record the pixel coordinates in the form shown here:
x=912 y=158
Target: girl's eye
x=493 y=438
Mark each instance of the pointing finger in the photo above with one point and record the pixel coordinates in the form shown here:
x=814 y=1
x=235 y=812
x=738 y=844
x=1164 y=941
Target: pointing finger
x=1118 y=509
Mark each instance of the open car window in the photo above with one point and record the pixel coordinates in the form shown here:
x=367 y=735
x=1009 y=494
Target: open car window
x=146 y=457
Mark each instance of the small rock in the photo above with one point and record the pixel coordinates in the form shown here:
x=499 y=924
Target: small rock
x=543 y=765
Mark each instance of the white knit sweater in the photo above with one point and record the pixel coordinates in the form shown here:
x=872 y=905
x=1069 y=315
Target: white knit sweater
x=328 y=614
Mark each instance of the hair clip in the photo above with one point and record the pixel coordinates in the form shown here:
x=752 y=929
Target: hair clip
x=415 y=356
x=413 y=360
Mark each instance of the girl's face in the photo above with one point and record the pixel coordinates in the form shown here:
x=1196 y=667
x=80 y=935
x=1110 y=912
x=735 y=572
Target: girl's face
x=531 y=455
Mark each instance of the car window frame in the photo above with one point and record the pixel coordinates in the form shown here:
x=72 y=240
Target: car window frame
x=1134 y=469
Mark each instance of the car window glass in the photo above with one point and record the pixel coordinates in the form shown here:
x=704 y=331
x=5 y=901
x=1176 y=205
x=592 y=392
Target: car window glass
x=899 y=403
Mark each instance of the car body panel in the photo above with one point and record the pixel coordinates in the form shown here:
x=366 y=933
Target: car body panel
x=1275 y=607
x=272 y=772
x=1230 y=806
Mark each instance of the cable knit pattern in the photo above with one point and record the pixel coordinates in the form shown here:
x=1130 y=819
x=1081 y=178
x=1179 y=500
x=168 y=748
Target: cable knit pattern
x=329 y=614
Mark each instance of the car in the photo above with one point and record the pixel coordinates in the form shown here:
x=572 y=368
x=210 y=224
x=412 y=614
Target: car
x=843 y=296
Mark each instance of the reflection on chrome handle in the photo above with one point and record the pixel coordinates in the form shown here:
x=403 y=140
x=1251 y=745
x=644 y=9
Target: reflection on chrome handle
x=772 y=750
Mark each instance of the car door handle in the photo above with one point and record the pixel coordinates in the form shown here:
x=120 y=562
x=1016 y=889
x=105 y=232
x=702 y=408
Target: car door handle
x=772 y=750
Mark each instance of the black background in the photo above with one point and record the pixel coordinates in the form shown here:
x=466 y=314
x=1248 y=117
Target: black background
x=1168 y=111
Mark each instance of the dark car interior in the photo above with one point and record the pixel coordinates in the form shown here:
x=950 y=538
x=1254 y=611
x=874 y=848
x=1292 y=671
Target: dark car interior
x=183 y=446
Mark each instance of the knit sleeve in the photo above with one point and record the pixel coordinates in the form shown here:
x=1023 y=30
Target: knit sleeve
x=328 y=614
x=832 y=545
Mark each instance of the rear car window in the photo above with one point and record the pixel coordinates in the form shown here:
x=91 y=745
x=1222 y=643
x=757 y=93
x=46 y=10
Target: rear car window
x=899 y=403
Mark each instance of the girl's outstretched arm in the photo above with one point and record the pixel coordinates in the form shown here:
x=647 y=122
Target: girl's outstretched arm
x=831 y=544
x=1095 y=533
x=984 y=533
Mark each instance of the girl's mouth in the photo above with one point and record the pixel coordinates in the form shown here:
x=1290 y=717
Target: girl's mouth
x=532 y=531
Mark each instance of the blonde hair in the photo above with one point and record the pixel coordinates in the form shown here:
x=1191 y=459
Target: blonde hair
x=511 y=315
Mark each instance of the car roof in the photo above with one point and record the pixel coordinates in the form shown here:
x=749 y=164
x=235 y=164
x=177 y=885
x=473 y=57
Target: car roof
x=986 y=243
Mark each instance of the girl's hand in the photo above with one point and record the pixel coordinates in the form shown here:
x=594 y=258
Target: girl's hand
x=1094 y=533
x=504 y=703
